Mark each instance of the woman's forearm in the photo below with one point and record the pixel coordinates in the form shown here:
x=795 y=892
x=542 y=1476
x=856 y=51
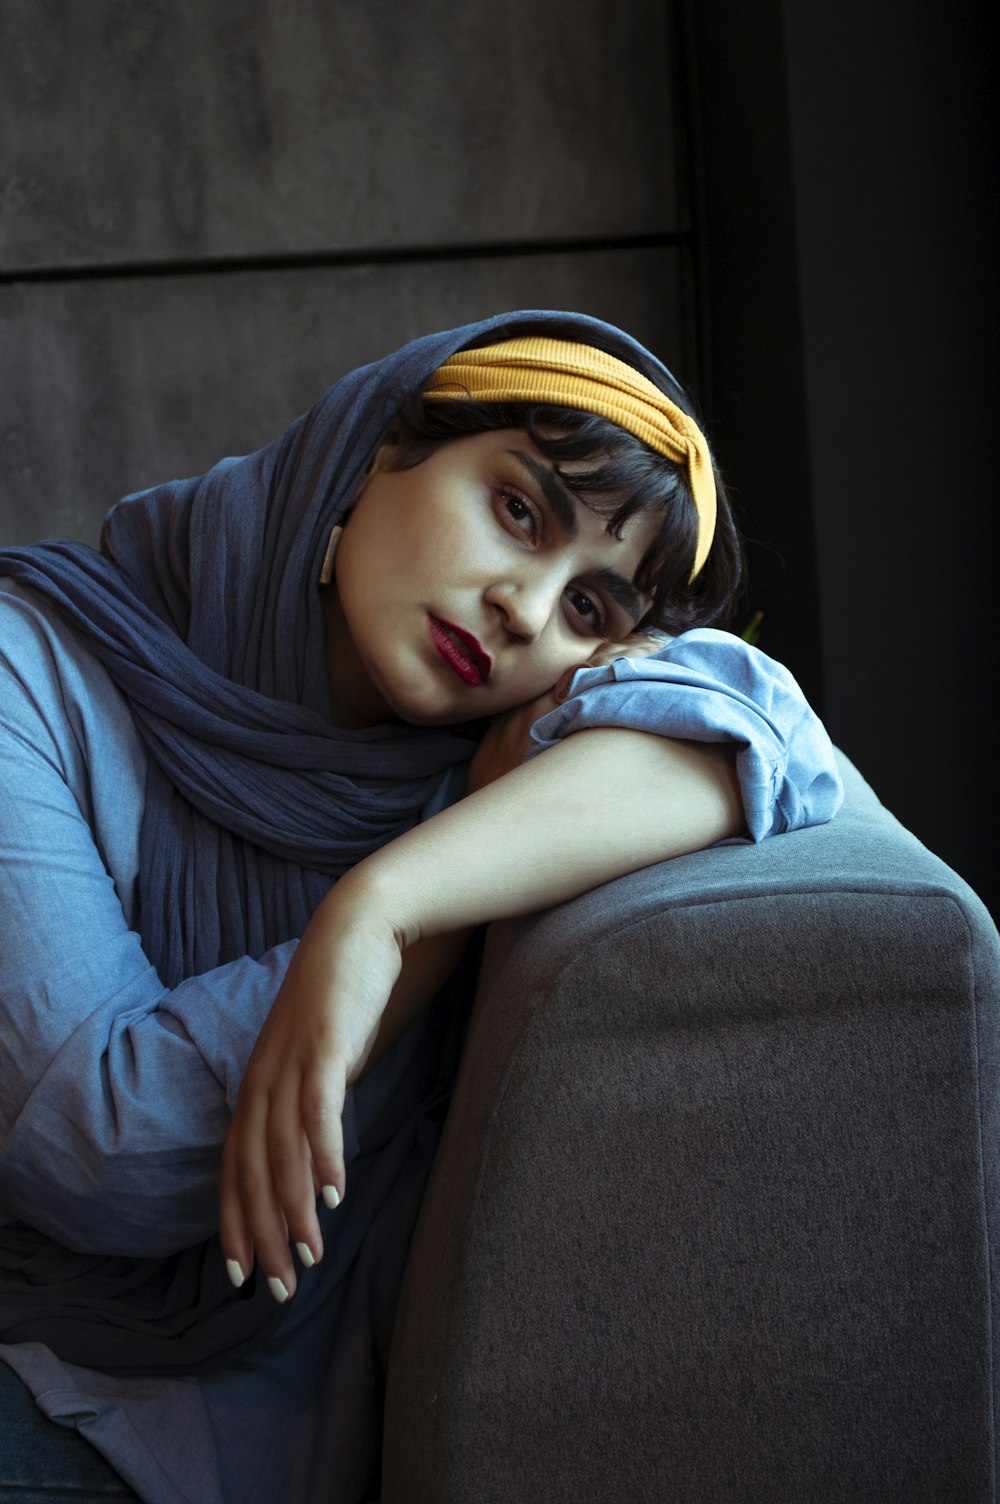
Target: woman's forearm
x=601 y=804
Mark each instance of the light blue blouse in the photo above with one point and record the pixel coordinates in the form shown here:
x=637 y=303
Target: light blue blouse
x=709 y=686
x=116 y=1093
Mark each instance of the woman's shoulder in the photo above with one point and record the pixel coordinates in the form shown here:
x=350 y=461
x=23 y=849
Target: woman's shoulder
x=26 y=616
x=37 y=647
x=54 y=694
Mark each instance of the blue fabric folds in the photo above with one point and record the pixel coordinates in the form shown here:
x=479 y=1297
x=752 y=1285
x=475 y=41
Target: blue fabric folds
x=201 y=605
x=721 y=689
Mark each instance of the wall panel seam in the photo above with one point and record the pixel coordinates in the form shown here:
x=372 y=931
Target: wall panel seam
x=399 y=255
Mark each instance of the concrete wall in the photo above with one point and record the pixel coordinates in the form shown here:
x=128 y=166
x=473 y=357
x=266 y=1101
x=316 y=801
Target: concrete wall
x=209 y=210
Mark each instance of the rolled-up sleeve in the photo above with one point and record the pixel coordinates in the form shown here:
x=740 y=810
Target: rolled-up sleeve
x=709 y=686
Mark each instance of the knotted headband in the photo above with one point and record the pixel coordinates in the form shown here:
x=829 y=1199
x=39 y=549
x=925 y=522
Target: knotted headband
x=535 y=368
x=201 y=608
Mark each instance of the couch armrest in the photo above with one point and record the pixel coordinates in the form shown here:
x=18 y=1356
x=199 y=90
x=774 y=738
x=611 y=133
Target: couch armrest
x=712 y=1214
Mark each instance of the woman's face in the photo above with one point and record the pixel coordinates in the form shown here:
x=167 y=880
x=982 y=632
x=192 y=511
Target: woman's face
x=470 y=583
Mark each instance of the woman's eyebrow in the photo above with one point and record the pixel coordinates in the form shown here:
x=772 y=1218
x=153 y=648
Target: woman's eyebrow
x=556 y=492
x=622 y=592
x=563 y=503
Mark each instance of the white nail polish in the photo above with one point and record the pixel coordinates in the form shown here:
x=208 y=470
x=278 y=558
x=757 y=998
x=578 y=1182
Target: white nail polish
x=277 y=1289
x=305 y=1254
x=331 y=1196
x=236 y=1275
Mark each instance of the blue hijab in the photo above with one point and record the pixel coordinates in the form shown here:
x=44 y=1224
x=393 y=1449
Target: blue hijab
x=202 y=605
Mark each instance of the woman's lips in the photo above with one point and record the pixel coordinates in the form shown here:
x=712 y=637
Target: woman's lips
x=461 y=651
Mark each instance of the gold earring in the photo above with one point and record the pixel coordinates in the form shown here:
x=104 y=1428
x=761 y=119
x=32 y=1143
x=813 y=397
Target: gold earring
x=326 y=570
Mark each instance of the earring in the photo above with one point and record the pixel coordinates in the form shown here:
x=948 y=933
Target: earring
x=326 y=570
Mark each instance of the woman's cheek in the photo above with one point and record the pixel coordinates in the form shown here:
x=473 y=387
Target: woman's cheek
x=548 y=678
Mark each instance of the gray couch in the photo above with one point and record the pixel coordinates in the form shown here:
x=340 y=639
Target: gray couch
x=714 y=1211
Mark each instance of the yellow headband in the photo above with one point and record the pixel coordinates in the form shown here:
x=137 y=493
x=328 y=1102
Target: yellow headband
x=542 y=370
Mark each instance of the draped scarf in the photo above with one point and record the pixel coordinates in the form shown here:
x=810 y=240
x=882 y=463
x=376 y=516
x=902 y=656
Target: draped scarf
x=202 y=605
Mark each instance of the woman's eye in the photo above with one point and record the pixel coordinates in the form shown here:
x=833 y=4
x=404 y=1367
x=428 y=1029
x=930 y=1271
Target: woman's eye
x=519 y=511
x=587 y=609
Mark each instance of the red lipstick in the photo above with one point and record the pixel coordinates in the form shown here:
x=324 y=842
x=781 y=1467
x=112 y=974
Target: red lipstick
x=461 y=651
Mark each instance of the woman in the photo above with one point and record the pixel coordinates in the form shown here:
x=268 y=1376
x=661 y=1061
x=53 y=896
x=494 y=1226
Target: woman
x=265 y=684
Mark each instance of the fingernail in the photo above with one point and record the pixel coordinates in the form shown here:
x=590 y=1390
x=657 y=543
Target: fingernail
x=331 y=1196
x=305 y=1254
x=235 y=1272
x=277 y=1289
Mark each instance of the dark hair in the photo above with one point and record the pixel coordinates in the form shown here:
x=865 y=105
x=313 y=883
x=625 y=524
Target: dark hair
x=639 y=479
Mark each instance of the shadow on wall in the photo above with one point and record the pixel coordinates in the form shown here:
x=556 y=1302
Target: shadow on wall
x=865 y=177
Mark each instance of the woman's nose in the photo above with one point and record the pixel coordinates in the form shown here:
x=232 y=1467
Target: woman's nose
x=525 y=606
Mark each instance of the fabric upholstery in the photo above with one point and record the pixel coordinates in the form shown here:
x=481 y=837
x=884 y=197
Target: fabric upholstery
x=713 y=1212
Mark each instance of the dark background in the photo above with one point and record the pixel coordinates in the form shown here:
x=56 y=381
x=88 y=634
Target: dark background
x=209 y=210
x=845 y=171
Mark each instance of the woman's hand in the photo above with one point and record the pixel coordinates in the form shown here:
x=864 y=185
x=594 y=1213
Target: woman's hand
x=506 y=742
x=285 y=1144
x=604 y=802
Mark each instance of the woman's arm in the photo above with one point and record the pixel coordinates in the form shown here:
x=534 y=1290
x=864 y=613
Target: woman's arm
x=116 y=1093
x=603 y=803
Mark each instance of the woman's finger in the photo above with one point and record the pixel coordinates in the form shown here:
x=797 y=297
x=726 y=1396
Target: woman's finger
x=637 y=645
x=260 y=1210
x=324 y=1087
x=237 y=1245
x=292 y=1183
x=252 y=1225
x=252 y=1219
